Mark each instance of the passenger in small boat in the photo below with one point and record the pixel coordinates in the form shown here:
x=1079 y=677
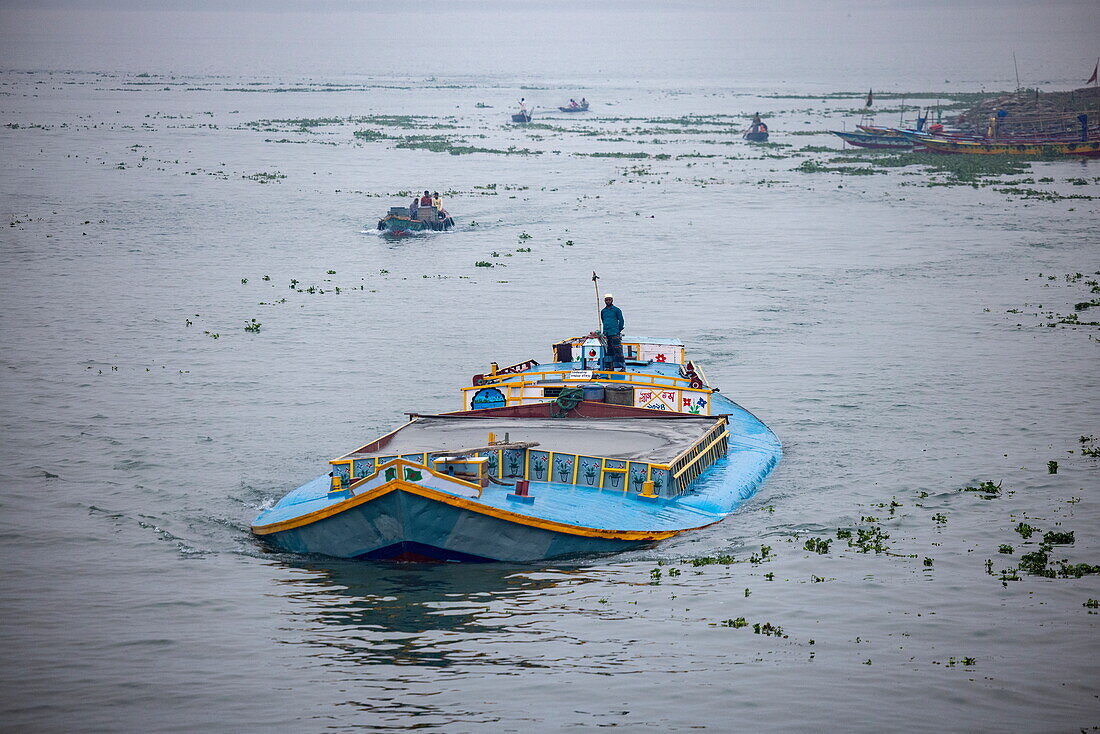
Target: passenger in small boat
x=584 y=102
x=426 y=199
x=437 y=202
x=573 y=103
x=414 y=207
x=611 y=318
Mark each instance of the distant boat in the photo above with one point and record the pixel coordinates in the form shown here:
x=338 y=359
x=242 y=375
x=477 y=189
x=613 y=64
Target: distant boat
x=399 y=221
x=1033 y=140
x=758 y=131
x=578 y=108
x=868 y=135
x=938 y=144
x=523 y=116
x=879 y=140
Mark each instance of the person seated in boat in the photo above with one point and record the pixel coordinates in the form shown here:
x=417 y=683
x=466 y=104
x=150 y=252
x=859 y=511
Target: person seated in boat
x=611 y=319
x=437 y=202
x=426 y=199
x=573 y=103
x=584 y=102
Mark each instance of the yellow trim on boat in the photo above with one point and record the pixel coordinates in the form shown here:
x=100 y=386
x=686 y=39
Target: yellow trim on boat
x=702 y=453
x=465 y=504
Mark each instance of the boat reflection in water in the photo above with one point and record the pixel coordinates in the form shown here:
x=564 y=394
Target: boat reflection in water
x=423 y=614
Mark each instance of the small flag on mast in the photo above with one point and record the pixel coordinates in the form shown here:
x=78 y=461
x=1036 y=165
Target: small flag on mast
x=1092 y=78
x=871 y=96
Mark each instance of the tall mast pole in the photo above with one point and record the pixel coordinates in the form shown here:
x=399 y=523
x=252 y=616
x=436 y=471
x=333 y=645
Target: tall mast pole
x=596 y=286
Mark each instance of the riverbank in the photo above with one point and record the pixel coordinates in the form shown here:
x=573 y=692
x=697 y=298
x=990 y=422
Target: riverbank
x=1032 y=110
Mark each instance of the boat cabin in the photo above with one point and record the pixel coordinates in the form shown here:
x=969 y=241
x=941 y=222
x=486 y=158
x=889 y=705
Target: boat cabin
x=657 y=377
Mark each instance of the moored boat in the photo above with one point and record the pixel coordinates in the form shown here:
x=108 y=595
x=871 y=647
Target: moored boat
x=939 y=144
x=399 y=220
x=545 y=460
x=874 y=140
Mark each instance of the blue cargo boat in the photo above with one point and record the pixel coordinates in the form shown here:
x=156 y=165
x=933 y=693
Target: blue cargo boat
x=544 y=461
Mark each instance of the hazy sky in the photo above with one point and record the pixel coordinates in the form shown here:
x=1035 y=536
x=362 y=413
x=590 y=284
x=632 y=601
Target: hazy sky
x=886 y=42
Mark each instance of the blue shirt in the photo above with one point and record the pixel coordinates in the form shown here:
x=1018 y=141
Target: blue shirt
x=612 y=319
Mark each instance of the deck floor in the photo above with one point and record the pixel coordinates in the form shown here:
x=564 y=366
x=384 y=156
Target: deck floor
x=653 y=440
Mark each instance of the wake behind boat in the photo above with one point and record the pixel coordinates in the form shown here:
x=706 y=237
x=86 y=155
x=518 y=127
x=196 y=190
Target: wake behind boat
x=545 y=460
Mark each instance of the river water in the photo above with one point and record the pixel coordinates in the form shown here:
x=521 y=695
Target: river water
x=907 y=332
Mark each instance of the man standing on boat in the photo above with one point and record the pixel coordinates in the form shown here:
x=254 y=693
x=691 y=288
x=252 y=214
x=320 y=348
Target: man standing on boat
x=611 y=318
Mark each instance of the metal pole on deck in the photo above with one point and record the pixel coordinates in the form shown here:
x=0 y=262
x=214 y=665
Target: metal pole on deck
x=599 y=324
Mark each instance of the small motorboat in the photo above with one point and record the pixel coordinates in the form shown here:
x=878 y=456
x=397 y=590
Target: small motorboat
x=399 y=220
x=577 y=108
x=544 y=461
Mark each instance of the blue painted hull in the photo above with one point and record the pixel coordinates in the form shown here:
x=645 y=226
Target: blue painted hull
x=404 y=526
x=870 y=140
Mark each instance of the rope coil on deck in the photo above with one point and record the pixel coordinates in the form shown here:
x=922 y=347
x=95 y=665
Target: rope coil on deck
x=568 y=399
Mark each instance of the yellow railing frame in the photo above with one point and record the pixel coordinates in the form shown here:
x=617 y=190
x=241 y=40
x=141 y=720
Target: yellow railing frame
x=701 y=454
x=399 y=462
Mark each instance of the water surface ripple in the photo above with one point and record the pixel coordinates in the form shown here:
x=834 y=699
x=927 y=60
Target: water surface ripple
x=901 y=339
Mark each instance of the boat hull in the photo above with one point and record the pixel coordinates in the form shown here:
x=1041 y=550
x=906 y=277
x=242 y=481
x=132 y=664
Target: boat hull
x=872 y=140
x=521 y=118
x=581 y=108
x=756 y=137
x=407 y=522
x=401 y=225
x=1089 y=149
